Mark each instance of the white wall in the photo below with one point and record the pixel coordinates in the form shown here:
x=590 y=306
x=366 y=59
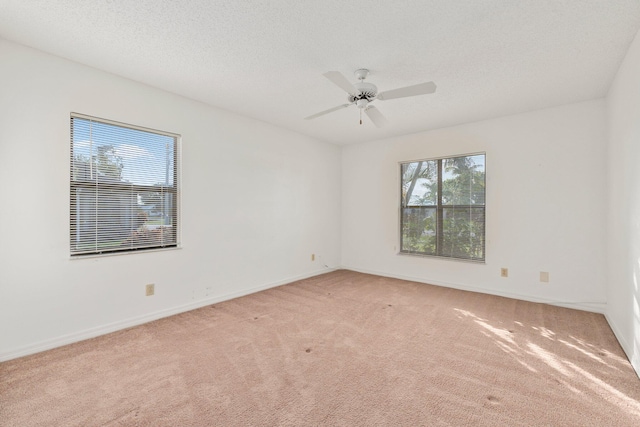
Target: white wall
x=545 y=205
x=546 y=186
x=623 y=102
x=257 y=201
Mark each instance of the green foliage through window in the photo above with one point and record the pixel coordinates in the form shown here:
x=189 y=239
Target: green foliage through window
x=443 y=207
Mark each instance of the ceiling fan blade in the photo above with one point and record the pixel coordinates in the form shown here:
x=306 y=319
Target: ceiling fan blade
x=341 y=81
x=419 y=89
x=330 y=110
x=376 y=116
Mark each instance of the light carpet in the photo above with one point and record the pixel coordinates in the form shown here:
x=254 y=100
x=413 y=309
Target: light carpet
x=339 y=349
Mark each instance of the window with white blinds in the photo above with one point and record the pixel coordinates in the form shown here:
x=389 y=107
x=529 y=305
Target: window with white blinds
x=124 y=187
x=442 y=210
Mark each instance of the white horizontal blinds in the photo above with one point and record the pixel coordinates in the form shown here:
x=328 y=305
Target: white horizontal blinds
x=463 y=201
x=443 y=207
x=419 y=207
x=123 y=187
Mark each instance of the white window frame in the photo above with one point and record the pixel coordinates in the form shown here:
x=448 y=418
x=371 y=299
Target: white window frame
x=439 y=208
x=141 y=238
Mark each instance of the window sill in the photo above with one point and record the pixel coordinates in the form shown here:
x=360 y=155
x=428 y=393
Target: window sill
x=444 y=258
x=123 y=253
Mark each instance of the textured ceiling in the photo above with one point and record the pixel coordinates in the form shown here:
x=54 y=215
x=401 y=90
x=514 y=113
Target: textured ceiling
x=265 y=59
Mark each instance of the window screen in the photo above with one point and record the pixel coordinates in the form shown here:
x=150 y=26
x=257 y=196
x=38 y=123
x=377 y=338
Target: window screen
x=124 y=187
x=443 y=207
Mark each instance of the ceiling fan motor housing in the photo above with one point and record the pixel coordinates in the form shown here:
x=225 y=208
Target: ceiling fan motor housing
x=366 y=91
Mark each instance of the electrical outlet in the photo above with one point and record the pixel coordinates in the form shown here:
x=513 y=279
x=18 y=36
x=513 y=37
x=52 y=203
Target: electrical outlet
x=544 y=276
x=150 y=289
x=313 y=257
x=504 y=272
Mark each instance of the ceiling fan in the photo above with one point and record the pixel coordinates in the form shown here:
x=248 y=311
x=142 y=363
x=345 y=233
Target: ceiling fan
x=362 y=94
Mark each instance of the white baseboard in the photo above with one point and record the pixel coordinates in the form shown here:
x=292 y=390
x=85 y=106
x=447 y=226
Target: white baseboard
x=633 y=357
x=146 y=318
x=594 y=307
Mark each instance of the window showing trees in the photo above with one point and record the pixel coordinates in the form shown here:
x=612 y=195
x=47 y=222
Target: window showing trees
x=124 y=187
x=443 y=207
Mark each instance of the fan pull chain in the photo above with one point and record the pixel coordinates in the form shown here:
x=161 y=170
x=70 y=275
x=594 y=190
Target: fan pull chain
x=360 y=115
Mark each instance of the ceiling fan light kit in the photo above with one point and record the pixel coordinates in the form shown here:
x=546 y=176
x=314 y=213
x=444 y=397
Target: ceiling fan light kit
x=362 y=94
